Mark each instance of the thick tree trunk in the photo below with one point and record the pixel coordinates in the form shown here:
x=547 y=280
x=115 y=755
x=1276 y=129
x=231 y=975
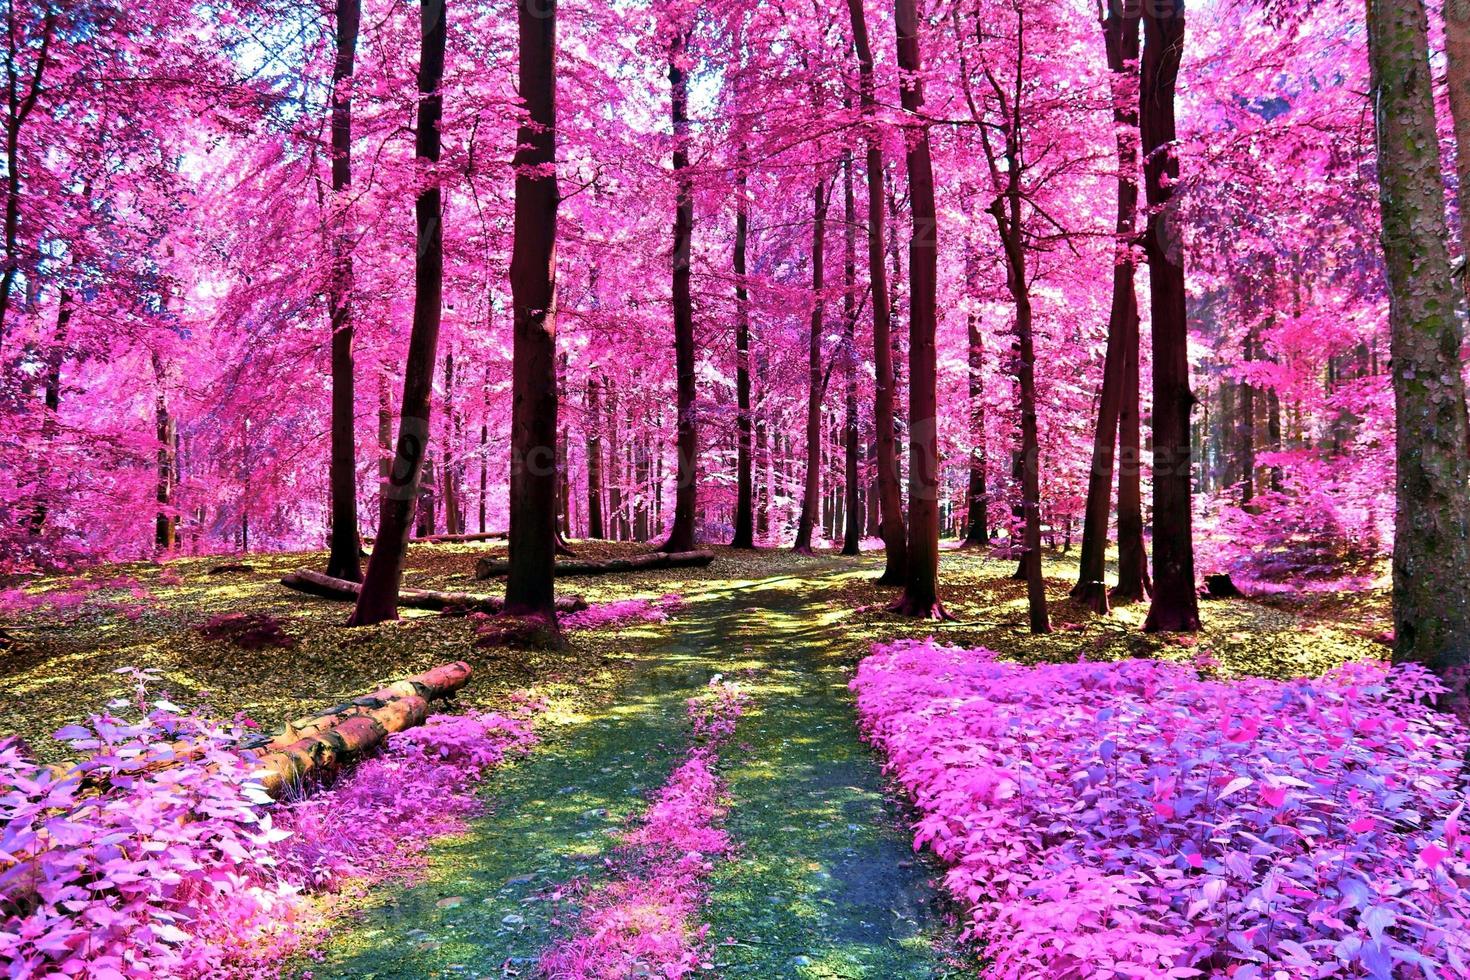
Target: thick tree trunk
x=921 y=584
x=686 y=493
x=379 y=597
x=812 y=484
x=744 y=534
x=890 y=500
x=977 y=497
x=852 y=507
x=1431 y=556
x=344 y=559
x=1175 y=606
x=1120 y=32
x=595 y=527
x=533 y=466
x=493 y=568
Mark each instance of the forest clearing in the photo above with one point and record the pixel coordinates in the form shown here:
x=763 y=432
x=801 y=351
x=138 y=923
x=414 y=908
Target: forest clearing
x=907 y=489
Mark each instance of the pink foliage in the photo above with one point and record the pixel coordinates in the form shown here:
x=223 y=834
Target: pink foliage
x=189 y=871
x=641 y=924
x=624 y=611
x=1134 y=820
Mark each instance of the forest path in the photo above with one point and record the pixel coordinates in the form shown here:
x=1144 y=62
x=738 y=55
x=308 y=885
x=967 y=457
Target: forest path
x=824 y=883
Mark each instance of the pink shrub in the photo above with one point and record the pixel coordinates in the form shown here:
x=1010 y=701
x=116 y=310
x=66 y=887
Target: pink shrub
x=1131 y=819
x=641 y=924
x=623 y=611
x=188 y=871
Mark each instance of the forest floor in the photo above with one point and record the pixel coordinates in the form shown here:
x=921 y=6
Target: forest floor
x=823 y=882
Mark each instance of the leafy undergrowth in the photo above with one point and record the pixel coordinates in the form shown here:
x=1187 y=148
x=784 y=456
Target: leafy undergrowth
x=1134 y=819
x=190 y=870
x=642 y=923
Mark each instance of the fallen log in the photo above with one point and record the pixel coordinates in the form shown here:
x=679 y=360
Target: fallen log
x=326 y=587
x=494 y=567
x=237 y=566
x=310 y=757
x=437 y=684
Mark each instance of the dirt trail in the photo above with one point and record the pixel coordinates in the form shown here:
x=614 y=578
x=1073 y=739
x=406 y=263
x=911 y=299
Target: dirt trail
x=824 y=884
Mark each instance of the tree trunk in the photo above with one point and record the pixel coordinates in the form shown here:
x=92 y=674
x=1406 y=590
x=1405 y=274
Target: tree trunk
x=1120 y=32
x=744 y=536
x=533 y=476
x=385 y=440
x=1457 y=78
x=452 y=503
x=812 y=485
x=616 y=520
x=921 y=584
x=378 y=600
x=1175 y=606
x=890 y=501
x=1133 y=579
x=1431 y=556
x=977 y=502
x=344 y=559
x=595 y=528
x=166 y=431
x=852 y=507
x=19 y=108
x=51 y=422
x=686 y=494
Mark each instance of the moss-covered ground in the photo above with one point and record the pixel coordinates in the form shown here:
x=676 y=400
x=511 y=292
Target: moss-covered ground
x=823 y=884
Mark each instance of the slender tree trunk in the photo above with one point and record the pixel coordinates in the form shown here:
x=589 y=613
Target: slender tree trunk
x=55 y=358
x=1247 y=464
x=1457 y=78
x=485 y=451
x=595 y=528
x=890 y=501
x=1120 y=32
x=812 y=484
x=452 y=503
x=616 y=520
x=686 y=495
x=378 y=600
x=166 y=431
x=530 y=588
x=744 y=536
x=852 y=506
x=921 y=586
x=1175 y=606
x=763 y=454
x=1133 y=579
x=977 y=497
x=18 y=107
x=1431 y=556
x=343 y=561
x=385 y=441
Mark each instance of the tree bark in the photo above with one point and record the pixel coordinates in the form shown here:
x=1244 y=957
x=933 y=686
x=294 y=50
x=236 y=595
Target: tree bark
x=890 y=500
x=55 y=358
x=378 y=600
x=921 y=585
x=19 y=107
x=812 y=484
x=1120 y=32
x=533 y=467
x=344 y=559
x=686 y=495
x=852 y=508
x=744 y=534
x=977 y=513
x=1431 y=557
x=453 y=502
x=166 y=431
x=1457 y=79
x=1133 y=578
x=1175 y=606
x=595 y=526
